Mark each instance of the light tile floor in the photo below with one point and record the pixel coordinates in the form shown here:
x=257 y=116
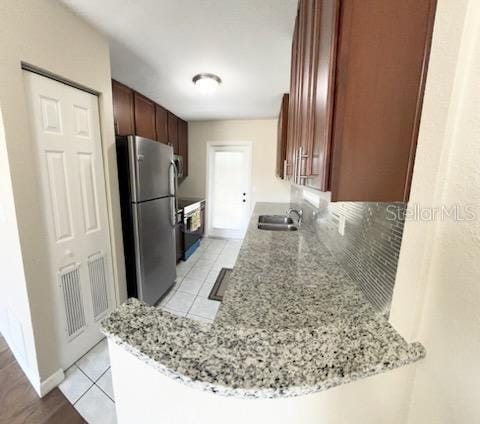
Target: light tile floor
x=88 y=383
x=88 y=386
x=196 y=277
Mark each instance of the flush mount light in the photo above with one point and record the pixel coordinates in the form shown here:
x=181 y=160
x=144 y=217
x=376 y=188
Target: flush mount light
x=206 y=83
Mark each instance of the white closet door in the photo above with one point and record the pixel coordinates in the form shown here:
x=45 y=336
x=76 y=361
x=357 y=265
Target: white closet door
x=65 y=125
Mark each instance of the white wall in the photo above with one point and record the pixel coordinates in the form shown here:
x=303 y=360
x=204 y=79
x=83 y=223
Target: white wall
x=437 y=294
x=15 y=321
x=46 y=34
x=431 y=160
x=266 y=187
x=144 y=395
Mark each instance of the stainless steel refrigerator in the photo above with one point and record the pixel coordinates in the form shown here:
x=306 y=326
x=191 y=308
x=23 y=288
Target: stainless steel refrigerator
x=147 y=180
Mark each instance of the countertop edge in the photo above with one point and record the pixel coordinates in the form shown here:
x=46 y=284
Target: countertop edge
x=415 y=349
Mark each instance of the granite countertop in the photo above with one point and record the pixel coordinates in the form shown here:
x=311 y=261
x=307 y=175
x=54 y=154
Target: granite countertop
x=292 y=322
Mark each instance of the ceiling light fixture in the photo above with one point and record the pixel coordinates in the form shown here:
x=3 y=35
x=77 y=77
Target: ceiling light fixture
x=206 y=83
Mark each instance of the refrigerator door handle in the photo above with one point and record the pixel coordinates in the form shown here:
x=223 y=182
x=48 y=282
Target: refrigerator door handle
x=138 y=251
x=173 y=192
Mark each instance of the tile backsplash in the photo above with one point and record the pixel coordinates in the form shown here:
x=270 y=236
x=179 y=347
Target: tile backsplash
x=370 y=246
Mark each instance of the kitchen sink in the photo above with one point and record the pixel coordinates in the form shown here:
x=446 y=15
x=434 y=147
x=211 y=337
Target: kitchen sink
x=276 y=223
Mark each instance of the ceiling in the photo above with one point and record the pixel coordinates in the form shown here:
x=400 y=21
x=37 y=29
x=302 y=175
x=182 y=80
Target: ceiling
x=157 y=46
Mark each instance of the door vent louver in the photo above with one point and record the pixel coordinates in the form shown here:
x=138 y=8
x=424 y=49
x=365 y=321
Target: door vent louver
x=98 y=284
x=72 y=299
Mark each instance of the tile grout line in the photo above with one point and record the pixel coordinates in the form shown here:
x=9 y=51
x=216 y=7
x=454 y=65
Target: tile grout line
x=204 y=280
x=103 y=373
x=216 y=258
x=94 y=382
x=83 y=394
x=84 y=373
x=104 y=392
x=196 y=296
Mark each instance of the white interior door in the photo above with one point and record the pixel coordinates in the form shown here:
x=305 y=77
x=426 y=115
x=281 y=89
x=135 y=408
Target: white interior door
x=65 y=125
x=229 y=168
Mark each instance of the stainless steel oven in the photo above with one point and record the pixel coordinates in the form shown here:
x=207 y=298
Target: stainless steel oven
x=190 y=234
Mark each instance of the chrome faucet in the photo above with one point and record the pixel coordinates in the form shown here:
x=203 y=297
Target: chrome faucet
x=298 y=212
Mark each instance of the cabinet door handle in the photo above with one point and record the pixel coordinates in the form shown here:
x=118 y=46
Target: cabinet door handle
x=301 y=157
x=294 y=167
x=299 y=165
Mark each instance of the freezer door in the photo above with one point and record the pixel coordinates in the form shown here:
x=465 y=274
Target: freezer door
x=150 y=164
x=154 y=249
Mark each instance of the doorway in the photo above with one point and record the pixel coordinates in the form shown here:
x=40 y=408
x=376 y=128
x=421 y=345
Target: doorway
x=65 y=125
x=229 y=166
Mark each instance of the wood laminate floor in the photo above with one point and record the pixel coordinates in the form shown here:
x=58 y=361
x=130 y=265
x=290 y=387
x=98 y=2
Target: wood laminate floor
x=19 y=403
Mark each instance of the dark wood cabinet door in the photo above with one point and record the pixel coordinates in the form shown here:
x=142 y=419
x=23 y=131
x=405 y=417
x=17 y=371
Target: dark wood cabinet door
x=123 y=116
x=183 y=144
x=144 y=117
x=325 y=29
x=161 y=124
x=178 y=242
x=301 y=105
x=292 y=106
x=282 y=137
x=381 y=65
x=172 y=128
x=307 y=12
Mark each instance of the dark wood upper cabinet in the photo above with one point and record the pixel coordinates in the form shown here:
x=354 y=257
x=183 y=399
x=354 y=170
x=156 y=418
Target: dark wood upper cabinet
x=123 y=116
x=183 y=144
x=172 y=128
x=282 y=137
x=314 y=84
x=381 y=69
x=144 y=117
x=161 y=124
x=135 y=114
x=357 y=79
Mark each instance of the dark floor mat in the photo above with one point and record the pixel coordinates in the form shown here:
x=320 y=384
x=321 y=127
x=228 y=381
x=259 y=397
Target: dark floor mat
x=220 y=285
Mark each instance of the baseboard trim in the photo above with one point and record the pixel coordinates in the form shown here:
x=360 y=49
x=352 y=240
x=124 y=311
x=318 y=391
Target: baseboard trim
x=50 y=383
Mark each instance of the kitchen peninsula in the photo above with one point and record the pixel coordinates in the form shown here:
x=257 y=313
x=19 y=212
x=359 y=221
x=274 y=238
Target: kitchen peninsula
x=292 y=323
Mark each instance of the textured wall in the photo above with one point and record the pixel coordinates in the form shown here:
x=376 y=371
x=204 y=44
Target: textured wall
x=370 y=247
x=447 y=382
